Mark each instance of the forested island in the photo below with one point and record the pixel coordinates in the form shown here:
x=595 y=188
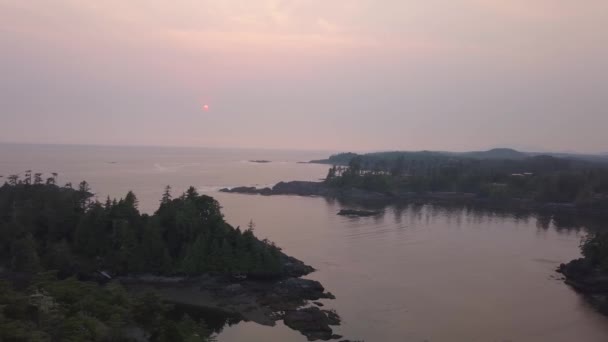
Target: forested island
x=75 y=269
x=498 y=176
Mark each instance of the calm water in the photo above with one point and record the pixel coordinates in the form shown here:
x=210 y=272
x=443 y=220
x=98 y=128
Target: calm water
x=416 y=273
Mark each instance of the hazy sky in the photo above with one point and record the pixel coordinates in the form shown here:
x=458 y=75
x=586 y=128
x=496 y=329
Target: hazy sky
x=307 y=74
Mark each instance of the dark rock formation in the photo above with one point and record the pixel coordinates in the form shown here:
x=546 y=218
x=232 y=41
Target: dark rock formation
x=248 y=190
x=307 y=188
x=588 y=280
x=301 y=288
x=261 y=301
x=293 y=267
x=313 y=322
x=354 y=212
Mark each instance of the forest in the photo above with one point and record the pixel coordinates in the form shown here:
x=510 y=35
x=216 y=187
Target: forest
x=541 y=178
x=57 y=243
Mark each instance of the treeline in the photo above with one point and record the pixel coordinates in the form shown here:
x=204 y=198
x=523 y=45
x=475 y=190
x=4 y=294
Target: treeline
x=58 y=245
x=541 y=178
x=595 y=251
x=45 y=226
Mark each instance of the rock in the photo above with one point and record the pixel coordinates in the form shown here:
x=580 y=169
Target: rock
x=302 y=288
x=311 y=322
x=293 y=267
x=318 y=303
x=300 y=188
x=354 y=212
x=241 y=190
x=332 y=317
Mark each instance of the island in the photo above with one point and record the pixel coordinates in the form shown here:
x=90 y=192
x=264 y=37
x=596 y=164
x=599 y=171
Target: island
x=501 y=177
x=75 y=268
x=260 y=161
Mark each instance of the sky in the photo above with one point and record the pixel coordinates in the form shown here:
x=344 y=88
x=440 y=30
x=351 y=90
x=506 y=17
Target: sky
x=307 y=74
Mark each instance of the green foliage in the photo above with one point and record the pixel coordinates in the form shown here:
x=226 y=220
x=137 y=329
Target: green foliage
x=43 y=225
x=46 y=227
x=72 y=310
x=595 y=250
x=540 y=178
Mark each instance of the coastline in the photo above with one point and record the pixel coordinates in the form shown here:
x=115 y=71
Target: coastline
x=587 y=280
x=360 y=196
x=261 y=301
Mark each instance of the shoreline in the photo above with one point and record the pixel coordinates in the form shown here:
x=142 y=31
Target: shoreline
x=261 y=301
x=359 y=196
x=587 y=280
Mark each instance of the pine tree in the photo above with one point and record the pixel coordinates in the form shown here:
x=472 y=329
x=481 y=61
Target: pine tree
x=166 y=195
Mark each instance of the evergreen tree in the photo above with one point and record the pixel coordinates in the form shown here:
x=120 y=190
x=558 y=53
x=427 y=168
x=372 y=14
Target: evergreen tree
x=166 y=198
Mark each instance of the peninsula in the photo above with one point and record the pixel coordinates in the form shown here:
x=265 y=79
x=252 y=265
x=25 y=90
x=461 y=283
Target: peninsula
x=89 y=270
x=503 y=176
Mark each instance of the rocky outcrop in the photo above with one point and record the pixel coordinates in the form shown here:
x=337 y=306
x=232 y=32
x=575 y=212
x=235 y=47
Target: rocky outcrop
x=307 y=188
x=313 y=323
x=354 y=212
x=360 y=196
x=293 y=267
x=589 y=280
x=263 y=301
x=302 y=288
x=251 y=190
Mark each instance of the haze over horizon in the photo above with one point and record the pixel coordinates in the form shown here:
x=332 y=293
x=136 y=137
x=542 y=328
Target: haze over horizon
x=347 y=75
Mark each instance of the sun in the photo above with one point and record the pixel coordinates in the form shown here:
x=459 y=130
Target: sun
x=206 y=108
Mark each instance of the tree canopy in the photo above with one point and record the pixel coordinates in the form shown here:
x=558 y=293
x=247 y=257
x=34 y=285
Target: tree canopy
x=55 y=240
x=539 y=178
x=44 y=226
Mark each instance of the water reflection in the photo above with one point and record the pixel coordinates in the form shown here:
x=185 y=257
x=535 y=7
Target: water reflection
x=457 y=214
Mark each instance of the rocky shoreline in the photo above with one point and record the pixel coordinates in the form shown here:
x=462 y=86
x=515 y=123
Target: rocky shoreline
x=262 y=302
x=589 y=281
x=292 y=299
x=308 y=188
x=320 y=189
